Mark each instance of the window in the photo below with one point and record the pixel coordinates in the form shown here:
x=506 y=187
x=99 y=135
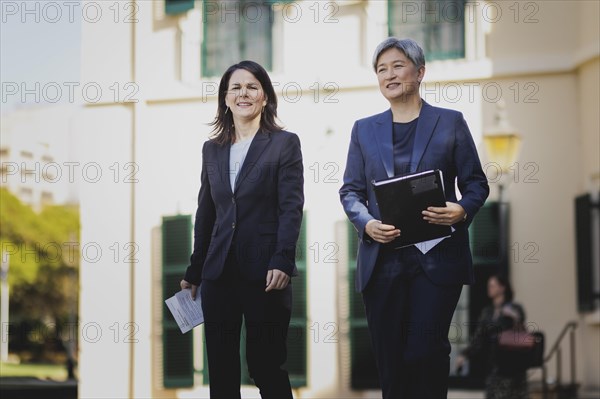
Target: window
x=297 y=334
x=48 y=176
x=587 y=230
x=47 y=198
x=4 y=170
x=178 y=353
x=236 y=31
x=363 y=368
x=174 y=7
x=26 y=195
x=489 y=247
x=437 y=25
x=459 y=334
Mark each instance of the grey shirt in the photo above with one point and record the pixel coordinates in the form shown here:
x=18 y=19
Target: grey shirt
x=237 y=154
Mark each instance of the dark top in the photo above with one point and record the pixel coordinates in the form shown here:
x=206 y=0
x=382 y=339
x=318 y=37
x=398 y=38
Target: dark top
x=404 y=138
x=484 y=341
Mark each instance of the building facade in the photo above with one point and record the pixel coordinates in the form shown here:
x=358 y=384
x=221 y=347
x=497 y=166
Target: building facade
x=163 y=60
x=36 y=155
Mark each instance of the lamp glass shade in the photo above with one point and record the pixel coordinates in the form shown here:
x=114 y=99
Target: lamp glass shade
x=502 y=148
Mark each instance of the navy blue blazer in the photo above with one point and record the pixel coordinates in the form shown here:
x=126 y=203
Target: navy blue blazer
x=264 y=211
x=442 y=141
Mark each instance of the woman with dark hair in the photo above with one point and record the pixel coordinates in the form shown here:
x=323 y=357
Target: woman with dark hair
x=504 y=381
x=245 y=233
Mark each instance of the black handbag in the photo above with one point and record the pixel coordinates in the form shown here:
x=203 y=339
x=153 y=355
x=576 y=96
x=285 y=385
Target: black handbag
x=518 y=350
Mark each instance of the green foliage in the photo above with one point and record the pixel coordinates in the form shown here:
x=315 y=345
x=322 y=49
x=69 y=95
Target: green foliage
x=42 y=371
x=44 y=260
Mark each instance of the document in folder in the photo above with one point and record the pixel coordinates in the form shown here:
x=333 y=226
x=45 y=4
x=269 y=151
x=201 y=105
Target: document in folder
x=401 y=201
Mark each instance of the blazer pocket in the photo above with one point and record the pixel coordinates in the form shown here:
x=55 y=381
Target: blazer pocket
x=269 y=228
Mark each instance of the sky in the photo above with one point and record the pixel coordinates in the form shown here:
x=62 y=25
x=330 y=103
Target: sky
x=38 y=43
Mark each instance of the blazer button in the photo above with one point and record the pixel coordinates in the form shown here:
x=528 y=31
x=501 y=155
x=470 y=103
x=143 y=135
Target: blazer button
x=233 y=225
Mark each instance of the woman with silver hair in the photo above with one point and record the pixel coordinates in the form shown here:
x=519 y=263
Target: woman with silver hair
x=410 y=293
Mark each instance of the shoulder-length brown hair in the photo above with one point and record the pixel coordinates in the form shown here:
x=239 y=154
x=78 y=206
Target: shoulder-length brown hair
x=223 y=130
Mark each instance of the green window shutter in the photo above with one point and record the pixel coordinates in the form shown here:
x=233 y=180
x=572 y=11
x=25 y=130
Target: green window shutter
x=297 y=334
x=584 y=238
x=178 y=351
x=173 y=7
x=437 y=25
x=363 y=368
x=488 y=238
x=488 y=247
x=230 y=37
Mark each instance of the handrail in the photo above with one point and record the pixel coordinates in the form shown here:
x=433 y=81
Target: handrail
x=571 y=324
x=556 y=349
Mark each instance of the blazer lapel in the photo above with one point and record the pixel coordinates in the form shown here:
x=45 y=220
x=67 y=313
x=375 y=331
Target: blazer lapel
x=428 y=120
x=258 y=145
x=223 y=157
x=385 y=141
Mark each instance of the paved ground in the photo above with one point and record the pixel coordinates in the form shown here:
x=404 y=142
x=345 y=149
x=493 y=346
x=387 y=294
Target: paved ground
x=455 y=394
x=34 y=388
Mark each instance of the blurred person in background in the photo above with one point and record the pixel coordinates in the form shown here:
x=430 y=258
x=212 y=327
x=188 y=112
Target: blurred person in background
x=505 y=379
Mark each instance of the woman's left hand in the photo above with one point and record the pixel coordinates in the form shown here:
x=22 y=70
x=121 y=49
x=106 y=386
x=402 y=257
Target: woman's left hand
x=450 y=214
x=276 y=280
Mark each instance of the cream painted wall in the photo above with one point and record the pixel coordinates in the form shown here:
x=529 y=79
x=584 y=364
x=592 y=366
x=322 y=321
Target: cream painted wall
x=105 y=54
x=588 y=104
x=589 y=28
x=532 y=36
x=105 y=237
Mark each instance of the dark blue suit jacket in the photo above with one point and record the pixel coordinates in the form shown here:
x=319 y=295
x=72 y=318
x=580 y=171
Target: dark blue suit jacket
x=442 y=141
x=264 y=210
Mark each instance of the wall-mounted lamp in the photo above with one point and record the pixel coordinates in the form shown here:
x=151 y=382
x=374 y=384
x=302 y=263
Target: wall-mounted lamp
x=502 y=144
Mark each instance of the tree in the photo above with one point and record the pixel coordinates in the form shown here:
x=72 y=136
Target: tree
x=44 y=268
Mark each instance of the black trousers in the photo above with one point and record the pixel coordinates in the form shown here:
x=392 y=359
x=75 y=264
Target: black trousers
x=409 y=318
x=266 y=316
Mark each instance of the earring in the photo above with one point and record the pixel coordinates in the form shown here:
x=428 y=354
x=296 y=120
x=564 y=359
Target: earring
x=226 y=109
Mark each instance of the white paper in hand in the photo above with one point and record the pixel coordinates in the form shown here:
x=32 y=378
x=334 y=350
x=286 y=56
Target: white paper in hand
x=187 y=312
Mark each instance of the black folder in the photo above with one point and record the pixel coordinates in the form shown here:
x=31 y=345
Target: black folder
x=401 y=200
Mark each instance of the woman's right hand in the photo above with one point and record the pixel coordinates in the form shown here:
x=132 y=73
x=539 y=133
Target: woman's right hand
x=380 y=232
x=185 y=285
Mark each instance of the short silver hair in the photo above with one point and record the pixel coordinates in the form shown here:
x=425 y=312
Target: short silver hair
x=408 y=47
